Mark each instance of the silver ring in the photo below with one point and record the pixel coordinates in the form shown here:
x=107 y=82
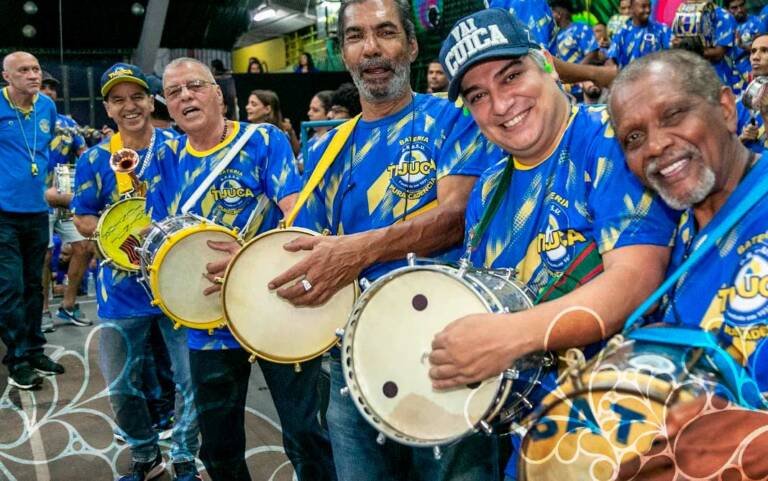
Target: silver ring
x=306 y=284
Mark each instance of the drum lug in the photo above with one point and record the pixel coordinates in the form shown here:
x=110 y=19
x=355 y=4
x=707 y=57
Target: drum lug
x=526 y=402
x=297 y=368
x=463 y=266
x=252 y=358
x=437 y=453
x=364 y=283
x=547 y=361
x=487 y=429
x=381 y=439
x=340 y=332
x=155 y=302
x=511 y=374
x=411 y=258
x=344 y=391
x=518 y=429
x=281 y=224
x=326 y=232
x=176 y=325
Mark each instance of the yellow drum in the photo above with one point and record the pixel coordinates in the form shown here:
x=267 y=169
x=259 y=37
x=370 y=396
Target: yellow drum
x=118 y=233
x=267 y=325
x=174 y=256
x=609 y=411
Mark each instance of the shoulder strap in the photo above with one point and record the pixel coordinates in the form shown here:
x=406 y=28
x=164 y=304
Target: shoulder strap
x=756 y=193
x=478 y=231
x=331 y=152
x=218 y=169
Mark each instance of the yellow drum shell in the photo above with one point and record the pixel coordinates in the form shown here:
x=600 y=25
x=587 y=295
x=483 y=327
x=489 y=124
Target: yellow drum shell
x=118 y=233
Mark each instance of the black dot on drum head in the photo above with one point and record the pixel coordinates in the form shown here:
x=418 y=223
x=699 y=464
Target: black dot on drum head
x=474 y=385
x=419 y=302
x=389 y=389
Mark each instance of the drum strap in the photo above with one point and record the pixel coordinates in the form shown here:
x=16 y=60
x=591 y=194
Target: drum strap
x=582 y=269
x=736 y=378
x=343 y=132
x=478 y=231
x=218 y=169
x=756 y=192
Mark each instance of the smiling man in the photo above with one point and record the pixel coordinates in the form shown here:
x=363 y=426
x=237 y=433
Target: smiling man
x=677 y=125
x=399 y=184
x=565 y=212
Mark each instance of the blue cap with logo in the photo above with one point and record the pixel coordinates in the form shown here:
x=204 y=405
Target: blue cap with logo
x=484 y=35
x=119 y=73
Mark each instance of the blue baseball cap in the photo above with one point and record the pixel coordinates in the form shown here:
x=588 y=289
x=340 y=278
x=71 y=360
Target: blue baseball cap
x=119 y=73
x=488 y=34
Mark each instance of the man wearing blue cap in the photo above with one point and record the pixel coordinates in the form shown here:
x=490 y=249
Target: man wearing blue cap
x=123 y=304
x=27 y=121
x=567 y=214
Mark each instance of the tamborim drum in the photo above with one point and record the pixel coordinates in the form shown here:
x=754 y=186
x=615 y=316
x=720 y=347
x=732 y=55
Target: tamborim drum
x=609 y=410
x=118 y=233
x=694 y=24
x=267 y=325
x=174 y=256
x=64 y=182
x=388 y=340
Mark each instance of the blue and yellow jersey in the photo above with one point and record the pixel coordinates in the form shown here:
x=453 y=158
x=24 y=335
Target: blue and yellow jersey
x=727 y=290
x=746 y=31
x=25 y=139
x=388 y=169
x=66 y=142
x=119 y=294
x=744 y=118
x=574 y=43
x=264 y=167
x=534 y=14
x=635 y=41
x=725 y=36
x=582 y=193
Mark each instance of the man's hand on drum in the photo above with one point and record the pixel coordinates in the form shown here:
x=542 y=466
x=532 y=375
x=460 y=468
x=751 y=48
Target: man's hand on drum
x=707 y=438
x=215 y=270
x=470 y=350
x=335 y=261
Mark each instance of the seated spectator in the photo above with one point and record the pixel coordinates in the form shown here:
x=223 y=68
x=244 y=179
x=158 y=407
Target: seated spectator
x=255 y=66
x=306 y=64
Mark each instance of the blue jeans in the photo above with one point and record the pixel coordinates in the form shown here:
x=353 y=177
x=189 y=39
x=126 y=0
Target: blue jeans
x=123 y=351
x=23 y=243
x=221 y=384
x=359 y=457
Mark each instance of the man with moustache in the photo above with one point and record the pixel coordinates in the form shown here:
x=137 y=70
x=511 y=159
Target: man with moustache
x=436 y=79
x=27 y=121
x=639 y=36
x=124 y=308
x=264 y=170
x=751 y=125
x=377 y=216
x=568 y=216
x=677 y=126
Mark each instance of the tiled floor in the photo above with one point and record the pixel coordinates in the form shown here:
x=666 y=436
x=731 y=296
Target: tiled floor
x=63 y=432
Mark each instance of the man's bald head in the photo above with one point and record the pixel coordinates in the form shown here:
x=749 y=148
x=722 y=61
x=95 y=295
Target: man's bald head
x=22 y=72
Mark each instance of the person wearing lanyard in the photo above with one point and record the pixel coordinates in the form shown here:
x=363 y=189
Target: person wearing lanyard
x=27 y=120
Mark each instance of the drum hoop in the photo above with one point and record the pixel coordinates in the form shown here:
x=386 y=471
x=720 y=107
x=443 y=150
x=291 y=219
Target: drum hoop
x=100 y=225
x=157 y=261
x=347 y=362
x=233 y=329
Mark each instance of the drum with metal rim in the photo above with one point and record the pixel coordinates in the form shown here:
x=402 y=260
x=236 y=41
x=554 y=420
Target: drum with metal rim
x=267 y=325
x=64 y=182
x=609 y=411
x=694 y=25
x=174 y=256
x=118 y=233
x=388 y=340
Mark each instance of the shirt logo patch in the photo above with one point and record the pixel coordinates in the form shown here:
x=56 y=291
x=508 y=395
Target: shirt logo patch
x=556 y=244
x=45 y=126
x=230 y=193
x=746 y=301
x=414 y=175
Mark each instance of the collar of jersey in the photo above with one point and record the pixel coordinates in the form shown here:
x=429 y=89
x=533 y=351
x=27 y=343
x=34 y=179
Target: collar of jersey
x=14 y=106
x=555 y=145
x=370 y=124
x=230 y=137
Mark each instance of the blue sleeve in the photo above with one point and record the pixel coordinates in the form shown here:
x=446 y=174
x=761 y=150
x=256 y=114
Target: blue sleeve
x=587 y=41
x=472 y=217
x=624 y=212
x=614 y=49
x=666 y=37
x=463 y=149
x=314 y=214
x=279 y=178
x=87 y=186
x=162 y=181
x=725 y=30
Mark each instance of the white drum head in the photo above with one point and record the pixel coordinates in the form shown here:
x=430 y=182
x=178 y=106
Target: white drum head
x=393 y=376
x=267 y=324
x=181 y=282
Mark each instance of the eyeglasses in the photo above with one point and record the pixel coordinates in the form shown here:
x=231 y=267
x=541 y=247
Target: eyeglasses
x=337 y=110
x=194 y=86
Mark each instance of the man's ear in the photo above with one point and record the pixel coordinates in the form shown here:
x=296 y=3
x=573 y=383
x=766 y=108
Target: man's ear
x=727 y=102
x=413 y=45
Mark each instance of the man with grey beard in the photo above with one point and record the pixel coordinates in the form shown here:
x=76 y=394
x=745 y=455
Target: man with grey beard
x=677 y=125
x=398 y=184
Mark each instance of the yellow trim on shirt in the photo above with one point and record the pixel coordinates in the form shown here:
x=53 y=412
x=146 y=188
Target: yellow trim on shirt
x=230 y=137
x=555 y=145
x=14 y=106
